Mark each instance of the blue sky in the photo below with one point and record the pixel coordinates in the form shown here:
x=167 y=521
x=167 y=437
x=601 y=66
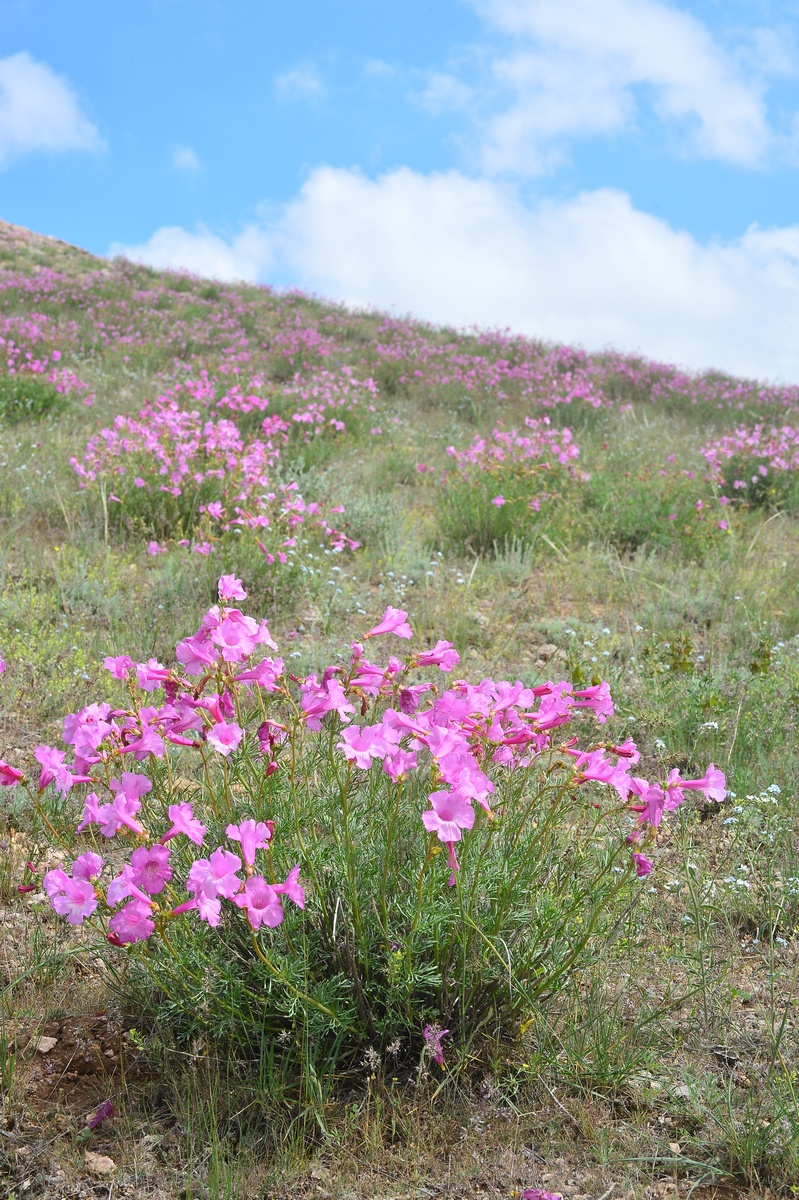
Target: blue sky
x=616 y=172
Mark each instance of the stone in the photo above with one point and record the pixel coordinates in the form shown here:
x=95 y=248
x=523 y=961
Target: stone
x=99 y=1164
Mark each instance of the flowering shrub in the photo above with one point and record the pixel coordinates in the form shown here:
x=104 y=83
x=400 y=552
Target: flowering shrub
x=169 y=472
x=362 y=855
x=501 y=483
x=758 y=464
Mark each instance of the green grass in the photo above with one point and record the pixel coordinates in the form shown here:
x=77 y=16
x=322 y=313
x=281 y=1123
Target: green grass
x=696 y=630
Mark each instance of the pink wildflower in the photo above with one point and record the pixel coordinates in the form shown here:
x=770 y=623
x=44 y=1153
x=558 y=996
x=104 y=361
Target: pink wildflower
x=499 y=500
x=224 y=737
x=252 y=836
x=119 y=665
x=262 y=903
x=9 y=776
x=152 y=870
x=643 y=865
x=432 y=1035
x=394 y=620
x=230 y=588
x=450 y=813
x=133 y=923
x=71 y=898
x=184 y=821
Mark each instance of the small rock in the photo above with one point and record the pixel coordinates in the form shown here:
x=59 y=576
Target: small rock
x=675 y=1147
x=99 y=1164
x=547 y=651
x=46 y=1044
x=323 y=1175
x=682 y=1092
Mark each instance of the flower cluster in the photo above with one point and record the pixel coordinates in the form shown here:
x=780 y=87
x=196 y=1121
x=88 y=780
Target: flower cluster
x=223 y=698
x=218 y=480
x=747 y=458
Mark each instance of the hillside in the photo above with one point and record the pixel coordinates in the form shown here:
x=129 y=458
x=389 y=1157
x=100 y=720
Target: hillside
x=554 y=515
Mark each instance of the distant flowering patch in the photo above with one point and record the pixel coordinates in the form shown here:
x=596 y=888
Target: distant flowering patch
x=177 y=472
x=751 y=459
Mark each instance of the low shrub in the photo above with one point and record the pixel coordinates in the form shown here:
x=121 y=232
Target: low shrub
x=361 y=861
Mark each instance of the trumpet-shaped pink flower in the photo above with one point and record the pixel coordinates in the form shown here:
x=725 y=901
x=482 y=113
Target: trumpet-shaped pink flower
x=151 y=675
x=54 y=769
x=713 y=784
x=131 y=786
x=119 y=665
x=432 y=1036
x=121 y=812
x=252 y=835
x=184 y=821
x=443 y=655
x=91 y=812
x=292 y=887
x=151 y=867
x=598 y=698
x=224 y=737
x=88 y=866
x=9 y=776
x=133 y=923
x=361 y=746
x=71 y=898
x=230 y=588
x=450 y=813
x=394 y=620
x=262 y=903
x=643 y=865
x=215 y=876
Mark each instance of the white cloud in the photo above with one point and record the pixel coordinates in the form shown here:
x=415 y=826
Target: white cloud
x=579 y=69
x=443 y=93
x=39 y=111
x=592 y=270
x=244 y=258
x=302 y=82
x=186 y=159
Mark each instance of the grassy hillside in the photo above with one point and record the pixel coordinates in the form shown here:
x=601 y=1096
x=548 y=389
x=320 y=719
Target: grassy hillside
x=558 y=517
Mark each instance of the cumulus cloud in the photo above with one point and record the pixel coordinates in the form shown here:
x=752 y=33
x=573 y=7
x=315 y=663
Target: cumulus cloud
x=186 y=159
x=443 y=93
x=578 y=69
x=302 y=82
x=39 y=111
x=245 y=258
x=592 y=270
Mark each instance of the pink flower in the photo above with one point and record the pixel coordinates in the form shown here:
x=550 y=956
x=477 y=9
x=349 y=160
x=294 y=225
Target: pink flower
x=253 y=836
x=432 y=1036
x=362 y=745
x=292 y=887
x=152 y=871
x=71 y=898
x=713 y=784
x=224 y=737
x=131 y=786
x=155 y=548
x=119 y=666
x=54 y=769
x=394 y=620
x=133 y=923
x=151 y=674
x=88 y=866
x=184 y=821
x=9 y=776
x=262 y=903
x=91 y=812
x=643 y=865
x=537 y=1194
x=451 y=812
x=230 y=588
x=499 y=500
x=215 y=876
x=596 y=697
x=443 y=655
